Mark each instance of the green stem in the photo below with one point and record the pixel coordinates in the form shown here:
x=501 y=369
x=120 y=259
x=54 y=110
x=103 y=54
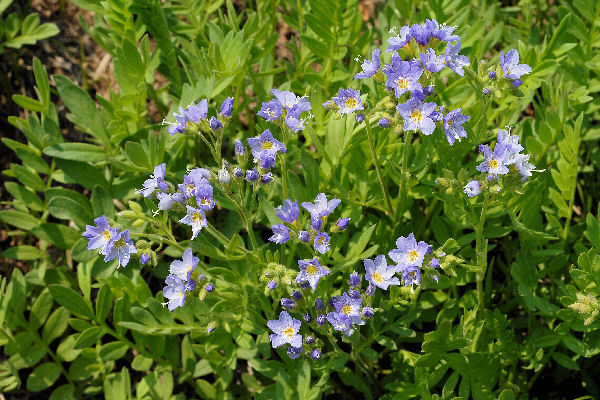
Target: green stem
x=481 y=254
x=378 y=168
x=403 y=169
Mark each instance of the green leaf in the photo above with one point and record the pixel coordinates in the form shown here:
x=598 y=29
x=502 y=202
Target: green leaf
x=43 y=376
x=593 y=230
x=56 y=324
x=61 y=236
x=69 y=209
x=19 y=219
x=40 y=309
x=303 y=386
x=102 y=203
x=27 y=177
x=103 y=302
x=141 y=363
x=63 y=392
x=22 y=253
x=72 y=301
x=113 y=351
x=82 y=173
x=565 y=361
x=24 y=195
x=77 y=152
x=28 y=103
x=88 y=337
x=137 y=155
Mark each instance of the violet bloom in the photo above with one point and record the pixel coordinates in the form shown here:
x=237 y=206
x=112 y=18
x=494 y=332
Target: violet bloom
x=307 y=317
x=196 y=219
x=252 y=175
x=339 y=322
x=294 y=352
x=321 y=242
x=442 y=33
x=370 y=67
x=524 y=166
x=288 y=100
x=319 y=304
x=100 y=235
x=348 y=306
x=227 y=107
x=211 y=327
x=367 y=312
x=288 y=211
x=215 y=124
x=494 y=162
x=120 y=247
x=285 y=330
x=194 y=178
x=272 y=285
x=181 y=124
x=342 y=223
x=175 y=292
x=399 y=41
x=408 y=252
x=195 y=113
x=156 y=181
x=321 y=207
x=237 y=172
x=511 y=143
x=266 y=178
x=455 y=61
x=304 y=236
x=354 y=280
x=293 y=121
x=209 y=288
x=434 y=263
x=473 y=188
x=432 y=62
x=281 y=234
x=184 y=268
x=267 y=160
x=288 y=303
x=417 y=116
x=453 y=128
x=421 y=33
x=265 y=142
x=239 y=148
x=311 y=271
x=271 y=110
x=166 y=200
x=404 y=78
x=510 y=65
x=411 y=276
x=315 y=354
x=204 y=196
x=144 y=258
x=348 y=101
x=379 y=273
x=190 y=285
x=316 y=223
x=383 y=122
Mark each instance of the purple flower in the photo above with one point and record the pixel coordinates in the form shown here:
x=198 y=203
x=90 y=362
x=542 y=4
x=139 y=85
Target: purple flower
x=411 y=275
x=237 y=172
x=211 y=327
x=311 y=271
x=288 y=100
x=294 y=352
x=510 y=65
x=316 y=223
x=455 y=61
x=492 y=74
x=144 y=258
x=347 y=306
x=267 y=160
x=183 y=268
x=355 y=294
x=348 y=101
x=434 y=263
x=204 y=196
x=428 y=90
x=224 y=177
x=379 y=273
x=473 y=188
x=281 y=234
x=319 y=304
x=239 y=148
x=271 y=110
x=227 y=107
x=175 y=292
x=195 y=178
x=215 y=124
x=442 y=33
x=288 y=211
x=304 y=236
x=432 y=62
x=339 y=322
x=383 y=122
x=285 y=330
x=315 y=354
x=354 y=280
x=195 y=113
x=296 y=295
x=370 y=290
x=266 y=178
x=265 y=142
x=272 y=285
x=252 y=175
x=511 y=143
x=180 y=125
x=367 y=312
x=293 y=121
x=307 y=317
x=166 y=200
x=321 y=207
x=404 y=77
x=408 y=252
x=120 y=247
x=321 y=319
x=156 y=181
x=190 y=285
x=494 y=163
x=100 y=235
x=516 y=83
x=416 y=116
x=360 y=118
x=421 y=33
x=485 y=91
x=453 y=128
x=399 y=41
x=195 y=218
x=209 y=288
x=342 y=223
x=321 y=242
x=288 y=303
x=370 y=67
x=524 y=166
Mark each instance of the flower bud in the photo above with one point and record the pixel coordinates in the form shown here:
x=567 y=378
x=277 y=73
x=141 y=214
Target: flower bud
x=304 y=236
x=354 y=280
x=367 y=312
x=288 y=303
x=315 y=354
x=319 y=305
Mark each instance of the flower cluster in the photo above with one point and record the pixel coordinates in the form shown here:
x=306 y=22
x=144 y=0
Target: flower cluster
x=506 y=152
x=194 y=118
x=111 y=242
x=287 y=107
x=182 y=279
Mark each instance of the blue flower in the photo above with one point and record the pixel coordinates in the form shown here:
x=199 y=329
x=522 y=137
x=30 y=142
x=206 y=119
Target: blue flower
x=196 y=219
x=348 y=101
x=354 y=280
x=211 y=327
x=294 y=352
x=181 y=124
x=271 y=110
x=288 y=100
x=281 y=234
x=321 y=207
x=288 y=211
x=293 y=121
x=227 y=107
x=190 y=285
x=494 y=163
x=492 y=74
x=399 y=41
x=404 y=77
x=370 y=67
x=120 y=247
x=166 y=200
x=432 y=62
x=473 y=188
x=184 y=268
x=417 y=116
x=252 y=175
x=266 y=178
x=321 y=242
x=453 y=128
x=455 y=61
x=511 y=143
x=321 y=319
x=224 y=177
x=215 y=124
x=311 y=271
x=360 y=118
x=383 y=122
x=239 y=148
x=144 y=258
x=196 y=177
x=411 y=276
x=195 y=113
x=421 y=33
x=339 y=322
x=156 y=181
x=510 y=65
x=442 y=33
x=315 y=354
x=271 y=285
x=285 y=330
x=307 y=317
x=267 y=160
x=367 y=312
x=101 y=235
x=316 y=223
x=265 y=142
x=175 y=292
x=237 y=172
x=379 y=273
x=347 y=306
x=319 y=304
x=342 y=223
x=204 y=196
x=296 y=295
x=288 y=303
x=304 y=236
x=408 y=252
x=209 y=288
x=524 y=166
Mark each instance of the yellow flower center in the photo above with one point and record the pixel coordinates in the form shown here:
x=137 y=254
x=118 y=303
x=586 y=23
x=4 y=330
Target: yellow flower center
x=288 y=332
x=416 y=116
x=351 y=103
x=493 y=164
x=413 y=255
x=190 y=189
x=197 y=217
x=267 y=146
x=312 y=269
x=346 y=309
x=377 y=277
x=402 y=83
x=204 y=201
x=321 y=240
x=411 y=274
x=106 y=235
x=120 y=243
x=450 y=123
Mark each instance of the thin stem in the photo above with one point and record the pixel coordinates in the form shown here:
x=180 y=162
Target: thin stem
x=403 y=169
x=284 y=165
x=481 y=254
x=378 y=168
